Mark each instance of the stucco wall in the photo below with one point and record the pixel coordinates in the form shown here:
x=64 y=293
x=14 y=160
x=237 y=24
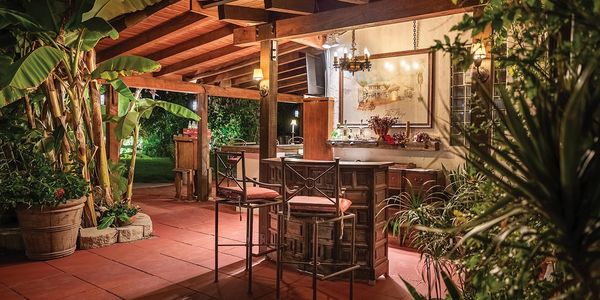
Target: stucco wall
x=399 y=37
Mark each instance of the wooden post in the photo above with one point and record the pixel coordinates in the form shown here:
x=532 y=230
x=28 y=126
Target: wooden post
x=268 y=103
x=203 y=165
x=268 y=124
x=112 y=109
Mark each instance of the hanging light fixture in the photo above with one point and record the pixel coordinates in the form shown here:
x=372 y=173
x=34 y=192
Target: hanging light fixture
x=331 y=40
x=350 y=61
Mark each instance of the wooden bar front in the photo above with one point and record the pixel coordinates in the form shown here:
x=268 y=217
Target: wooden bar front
x=366 y=186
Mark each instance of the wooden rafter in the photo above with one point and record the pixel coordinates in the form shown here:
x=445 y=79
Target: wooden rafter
x=373 y=14
x=197 y=60
x=305 y=7
x=287 y=62
x=293 y=88
x=158 y=32
x=284 y=49
x=194 y=88
x=292 y=82
x=193 y=43
x=209 y=4
x=355 y=1
x=240 y=13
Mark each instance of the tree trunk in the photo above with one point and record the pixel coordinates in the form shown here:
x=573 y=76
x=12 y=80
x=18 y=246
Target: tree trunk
x=136 y=133
x=98 y=135
x=89 y=213
x=29 y=112
x=57 y=114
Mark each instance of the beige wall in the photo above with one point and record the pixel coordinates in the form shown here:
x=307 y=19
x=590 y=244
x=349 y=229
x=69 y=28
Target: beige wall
x=399 y=37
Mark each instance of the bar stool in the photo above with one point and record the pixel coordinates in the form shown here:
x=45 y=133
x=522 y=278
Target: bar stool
x=314 y=198
x=242 y=196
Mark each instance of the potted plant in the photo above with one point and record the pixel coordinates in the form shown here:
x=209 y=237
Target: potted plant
x=48 y=201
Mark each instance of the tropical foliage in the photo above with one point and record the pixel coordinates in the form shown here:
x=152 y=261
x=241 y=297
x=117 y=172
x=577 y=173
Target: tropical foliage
x=539 y=237
x=231 y=119
x=49 y=62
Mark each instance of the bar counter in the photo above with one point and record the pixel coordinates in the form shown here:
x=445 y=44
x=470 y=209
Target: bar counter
x=366 y=186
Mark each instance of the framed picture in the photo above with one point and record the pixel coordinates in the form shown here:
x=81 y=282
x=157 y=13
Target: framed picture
x=400 y=84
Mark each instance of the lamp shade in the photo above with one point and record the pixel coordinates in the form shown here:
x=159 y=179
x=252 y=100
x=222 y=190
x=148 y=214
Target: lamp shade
x=257 y=75
x=478 y=50
x=293 y=123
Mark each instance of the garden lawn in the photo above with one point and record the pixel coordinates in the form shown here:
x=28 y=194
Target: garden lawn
x=153 y=169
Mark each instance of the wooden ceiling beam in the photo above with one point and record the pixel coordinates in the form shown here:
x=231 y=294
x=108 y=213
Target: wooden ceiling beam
x=284 y=49
x=373 y=14
x=209 y=4
x=283 y=76
x=292 y=82
x=247 y=80
x=180 y=22
x=355 y=1
x=128 y=20
x=286 y=63
x=293 y=88
x=304 y=7
x=230 y=12
x=146 y=82
x=197 y=60
x=192 y=43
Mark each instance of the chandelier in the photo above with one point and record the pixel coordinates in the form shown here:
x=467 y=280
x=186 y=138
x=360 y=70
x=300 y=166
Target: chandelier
x=351 y=62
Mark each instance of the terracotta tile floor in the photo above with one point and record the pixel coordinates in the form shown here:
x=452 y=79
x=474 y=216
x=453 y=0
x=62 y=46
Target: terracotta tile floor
x=178 y=263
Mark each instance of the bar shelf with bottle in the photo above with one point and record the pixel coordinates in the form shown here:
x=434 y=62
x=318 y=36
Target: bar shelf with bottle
x=345 y=137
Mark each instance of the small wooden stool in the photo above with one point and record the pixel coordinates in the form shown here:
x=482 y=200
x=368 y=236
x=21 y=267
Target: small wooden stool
x=189 y=176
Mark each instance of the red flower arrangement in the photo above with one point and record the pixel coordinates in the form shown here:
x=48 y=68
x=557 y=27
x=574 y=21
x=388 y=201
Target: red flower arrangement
x=59 y=193
x=381 y=125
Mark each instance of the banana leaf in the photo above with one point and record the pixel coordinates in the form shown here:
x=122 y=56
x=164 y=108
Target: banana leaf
x=124 y=66
x=126 y=124
x=91 y=32
x=110 y=9
x=31 y=70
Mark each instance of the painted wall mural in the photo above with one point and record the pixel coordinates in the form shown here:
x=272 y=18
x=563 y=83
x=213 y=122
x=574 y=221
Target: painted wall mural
x=400 y=84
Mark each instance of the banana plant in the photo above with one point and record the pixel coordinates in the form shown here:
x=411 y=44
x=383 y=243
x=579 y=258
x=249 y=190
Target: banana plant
x=128 y=122
x=48 y=46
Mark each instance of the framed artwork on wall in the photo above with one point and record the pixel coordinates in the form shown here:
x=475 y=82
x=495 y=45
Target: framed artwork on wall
x=400 y=84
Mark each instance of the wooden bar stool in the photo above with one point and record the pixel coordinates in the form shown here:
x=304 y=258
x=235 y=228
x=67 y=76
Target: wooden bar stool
x=314 y=199
x=188 y=174
x=259 y=195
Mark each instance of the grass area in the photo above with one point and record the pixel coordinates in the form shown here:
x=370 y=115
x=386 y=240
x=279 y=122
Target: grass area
x=152 y=169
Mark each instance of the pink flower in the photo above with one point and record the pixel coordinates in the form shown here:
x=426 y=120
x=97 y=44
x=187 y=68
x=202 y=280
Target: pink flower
x=59 y=193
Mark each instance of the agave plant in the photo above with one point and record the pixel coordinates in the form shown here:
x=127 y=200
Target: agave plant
x=544 y=154
x=47 y=54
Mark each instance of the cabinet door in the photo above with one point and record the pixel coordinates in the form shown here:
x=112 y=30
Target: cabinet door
x=394 y=179
x=421 y=180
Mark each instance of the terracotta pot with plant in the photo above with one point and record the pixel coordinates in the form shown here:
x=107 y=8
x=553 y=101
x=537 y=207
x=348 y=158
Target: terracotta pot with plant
x=48 y=201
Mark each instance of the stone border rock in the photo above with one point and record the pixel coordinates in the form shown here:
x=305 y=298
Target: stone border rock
x=91 y=238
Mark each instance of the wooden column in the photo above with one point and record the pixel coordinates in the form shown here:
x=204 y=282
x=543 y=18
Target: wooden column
x=203 y=165
x=268 y=103
x=317 y=121
x=268 y=123
x=112 y=109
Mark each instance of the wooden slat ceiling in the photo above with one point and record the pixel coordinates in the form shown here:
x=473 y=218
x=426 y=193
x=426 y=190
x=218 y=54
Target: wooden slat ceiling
x=192 y=44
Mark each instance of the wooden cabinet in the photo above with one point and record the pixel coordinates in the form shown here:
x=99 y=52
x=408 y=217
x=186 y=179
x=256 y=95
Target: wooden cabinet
x=317 y=116
x=403 y=177
x=186 y=152
x=366 y=186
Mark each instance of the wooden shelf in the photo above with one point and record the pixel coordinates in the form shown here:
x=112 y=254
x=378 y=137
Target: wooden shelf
x=411 y=146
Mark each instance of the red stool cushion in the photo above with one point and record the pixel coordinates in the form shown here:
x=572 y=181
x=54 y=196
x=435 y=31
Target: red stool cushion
x=317 y=204
x=253 y=192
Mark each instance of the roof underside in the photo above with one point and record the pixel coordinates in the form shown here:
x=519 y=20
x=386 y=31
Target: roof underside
x=193 y=41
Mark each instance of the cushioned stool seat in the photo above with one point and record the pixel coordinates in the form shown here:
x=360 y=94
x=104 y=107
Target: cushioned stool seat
x=252 y=192
x=317 y=204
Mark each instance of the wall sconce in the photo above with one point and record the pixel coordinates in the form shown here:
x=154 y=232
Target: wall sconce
x=263 y=85
x=478 y=56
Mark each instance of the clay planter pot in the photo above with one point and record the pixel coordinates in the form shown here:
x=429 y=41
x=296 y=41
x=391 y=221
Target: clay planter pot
x=50 y=232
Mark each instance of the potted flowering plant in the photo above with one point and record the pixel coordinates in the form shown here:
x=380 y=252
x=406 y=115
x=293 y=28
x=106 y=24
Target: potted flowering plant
x=381 y=125
x=48 y=201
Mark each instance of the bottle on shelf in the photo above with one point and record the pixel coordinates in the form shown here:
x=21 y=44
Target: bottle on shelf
x=361 y=131
x=345 y=131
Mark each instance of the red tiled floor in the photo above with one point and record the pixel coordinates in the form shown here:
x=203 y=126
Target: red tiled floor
x=178 y=263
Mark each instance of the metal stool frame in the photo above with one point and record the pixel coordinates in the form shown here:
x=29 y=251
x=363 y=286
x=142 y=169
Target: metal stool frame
x=240 y=200
x=314 y=219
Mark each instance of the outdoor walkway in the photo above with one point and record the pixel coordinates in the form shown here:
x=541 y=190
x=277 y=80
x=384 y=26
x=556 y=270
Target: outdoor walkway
x=177 y=264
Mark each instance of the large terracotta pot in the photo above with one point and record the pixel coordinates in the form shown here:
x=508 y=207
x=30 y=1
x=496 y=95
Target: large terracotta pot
x=50 y=232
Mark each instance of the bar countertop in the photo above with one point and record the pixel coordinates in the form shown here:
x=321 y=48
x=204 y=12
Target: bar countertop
x=342 y=162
